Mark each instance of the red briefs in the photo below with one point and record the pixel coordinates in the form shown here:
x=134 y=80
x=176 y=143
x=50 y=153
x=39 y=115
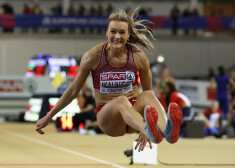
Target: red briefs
x=132 y=101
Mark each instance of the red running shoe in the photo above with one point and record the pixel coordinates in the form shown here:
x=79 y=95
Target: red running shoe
x=151 y=117
x=174 y=120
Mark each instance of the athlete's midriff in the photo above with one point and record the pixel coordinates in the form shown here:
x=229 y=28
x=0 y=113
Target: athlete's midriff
x=103 y=98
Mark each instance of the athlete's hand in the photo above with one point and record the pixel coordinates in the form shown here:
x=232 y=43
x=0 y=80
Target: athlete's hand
x=142 y=141
x=43 y=122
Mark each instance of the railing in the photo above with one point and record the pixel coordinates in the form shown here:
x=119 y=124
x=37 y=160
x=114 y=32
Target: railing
x=68 y=21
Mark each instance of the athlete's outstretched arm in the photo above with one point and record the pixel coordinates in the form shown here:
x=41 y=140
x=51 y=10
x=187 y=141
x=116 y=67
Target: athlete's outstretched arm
x=70 y=93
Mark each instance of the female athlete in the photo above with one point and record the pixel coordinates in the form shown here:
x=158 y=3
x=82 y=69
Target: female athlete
x=114 y=66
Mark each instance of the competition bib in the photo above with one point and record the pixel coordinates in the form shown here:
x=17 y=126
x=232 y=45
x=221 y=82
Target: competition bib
x=116 y=82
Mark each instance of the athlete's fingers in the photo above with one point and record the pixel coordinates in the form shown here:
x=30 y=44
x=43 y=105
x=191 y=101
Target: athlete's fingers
x=141 y=146
x=40 y=131
x=137 y=144
x=150 y=144
x=144 y=144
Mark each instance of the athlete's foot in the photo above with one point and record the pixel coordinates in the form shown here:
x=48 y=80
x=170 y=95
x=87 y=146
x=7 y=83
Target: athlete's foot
x=151 y=117
x=174 y=120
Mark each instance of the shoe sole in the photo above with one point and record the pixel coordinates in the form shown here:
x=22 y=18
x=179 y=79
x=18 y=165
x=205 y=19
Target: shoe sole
x=174 y=120
x=151 y=118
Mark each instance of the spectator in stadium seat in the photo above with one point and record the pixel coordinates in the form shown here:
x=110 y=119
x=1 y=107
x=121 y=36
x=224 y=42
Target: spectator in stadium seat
x=164 y=78
x=81 y=12
x=36 y=11
x=88 y=111
x=186 y=14
x=171 y=95
x=56 y=10
x=211 y=118
x=211 y=73
x=71 y=11
x=92 y=12
x=174 y=14
x=26 y=11
x=109 y=9
x=8 y=9
x=100 y=12
x=222 y=81
x=195 y=13
x=143 y=12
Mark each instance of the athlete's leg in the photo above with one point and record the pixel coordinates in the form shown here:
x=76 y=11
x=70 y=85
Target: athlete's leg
x=170 y=124
x=117 y=114
x=146 y=98
x=114 y=117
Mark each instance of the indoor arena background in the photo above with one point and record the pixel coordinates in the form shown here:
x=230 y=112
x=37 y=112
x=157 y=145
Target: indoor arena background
x=41 y=45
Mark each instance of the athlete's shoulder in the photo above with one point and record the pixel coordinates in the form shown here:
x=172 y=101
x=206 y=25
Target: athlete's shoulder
x=136 y=50
x=96 y=50
x=141 y=59
x=92 y=56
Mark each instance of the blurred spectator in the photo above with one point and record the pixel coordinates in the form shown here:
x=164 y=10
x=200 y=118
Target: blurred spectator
x=161 y=82
x=109 y=9
x=222 y=81
x=88 y=111
x=56 y=10
x=142 y=11
x=92 y=12
x=195 y=13
x=174 y=14
x=27 y=11
x=211 y=119
x=170 y=95
x=7 y=9
x=93 y=127
x=100 y=12
x=211 y=73
x=82 y=12
x=71 y=11
x=36 y=11
x=186 y=13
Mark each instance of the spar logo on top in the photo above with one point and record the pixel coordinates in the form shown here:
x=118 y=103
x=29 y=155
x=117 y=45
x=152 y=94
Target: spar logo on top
x=116 y=82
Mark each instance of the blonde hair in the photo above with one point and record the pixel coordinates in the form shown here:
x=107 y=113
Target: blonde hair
x=137 y=36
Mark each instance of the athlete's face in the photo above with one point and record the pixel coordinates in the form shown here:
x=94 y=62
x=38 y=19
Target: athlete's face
x=117 y=33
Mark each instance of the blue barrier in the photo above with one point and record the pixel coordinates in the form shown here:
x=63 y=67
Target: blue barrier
x=68 y=21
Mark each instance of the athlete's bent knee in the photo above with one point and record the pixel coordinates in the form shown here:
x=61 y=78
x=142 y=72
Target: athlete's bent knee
x=122 y=99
